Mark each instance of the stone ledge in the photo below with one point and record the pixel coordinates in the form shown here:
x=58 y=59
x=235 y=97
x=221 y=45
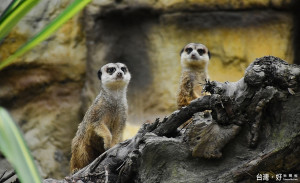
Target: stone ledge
x=166 y=6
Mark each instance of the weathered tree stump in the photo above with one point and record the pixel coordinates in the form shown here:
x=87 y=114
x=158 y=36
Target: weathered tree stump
x=253 y=129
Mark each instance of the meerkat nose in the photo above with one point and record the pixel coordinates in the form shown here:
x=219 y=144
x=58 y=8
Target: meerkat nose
x=193 y=56
x=119 y=74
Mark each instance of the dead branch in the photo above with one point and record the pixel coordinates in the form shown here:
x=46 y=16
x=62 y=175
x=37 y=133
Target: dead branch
x=7 y=176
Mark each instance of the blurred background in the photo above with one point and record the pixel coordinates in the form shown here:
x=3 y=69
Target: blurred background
x=48 y=90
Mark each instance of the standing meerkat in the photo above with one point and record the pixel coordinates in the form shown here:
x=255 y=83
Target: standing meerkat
x=103 y=124
x=194 y=61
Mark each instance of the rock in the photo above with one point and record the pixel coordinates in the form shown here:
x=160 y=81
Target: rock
x=192 y=5
x=164 y=159
x=49 y=121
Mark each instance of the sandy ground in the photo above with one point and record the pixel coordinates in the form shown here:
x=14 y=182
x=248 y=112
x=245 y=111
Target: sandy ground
x=130 y=131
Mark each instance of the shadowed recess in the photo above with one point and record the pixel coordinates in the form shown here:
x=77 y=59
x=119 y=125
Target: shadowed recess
x=296 y=18
x=125 y=35
x=208 y=20
x=21 y=83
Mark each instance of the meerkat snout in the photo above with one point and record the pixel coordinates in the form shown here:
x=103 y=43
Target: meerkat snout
x=120 y=75
x=193 y=56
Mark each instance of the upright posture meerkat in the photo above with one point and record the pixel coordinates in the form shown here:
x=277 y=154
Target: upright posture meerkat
x=194 y=61
x=103 y=124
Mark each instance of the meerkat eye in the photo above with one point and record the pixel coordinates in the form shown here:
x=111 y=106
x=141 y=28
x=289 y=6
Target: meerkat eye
x=124 y=69
x=189 y=50
x=201 y=51
x=110 y=70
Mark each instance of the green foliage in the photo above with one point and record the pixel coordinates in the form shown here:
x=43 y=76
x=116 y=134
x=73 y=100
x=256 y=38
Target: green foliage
x=9 y=9
x=14 y=148
x=70 y=11
x=13 y=13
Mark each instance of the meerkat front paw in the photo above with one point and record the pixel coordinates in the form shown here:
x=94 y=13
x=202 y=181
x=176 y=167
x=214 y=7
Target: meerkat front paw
x=107 y=144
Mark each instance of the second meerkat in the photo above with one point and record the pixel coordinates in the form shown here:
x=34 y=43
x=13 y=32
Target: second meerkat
x=194 y=62
x=103 y=124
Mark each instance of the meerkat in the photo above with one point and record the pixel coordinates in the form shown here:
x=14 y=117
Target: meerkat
x=194 y=62
x=103 y=124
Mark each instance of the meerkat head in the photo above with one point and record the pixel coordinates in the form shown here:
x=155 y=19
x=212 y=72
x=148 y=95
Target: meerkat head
x=114 y=76
x=194 y=55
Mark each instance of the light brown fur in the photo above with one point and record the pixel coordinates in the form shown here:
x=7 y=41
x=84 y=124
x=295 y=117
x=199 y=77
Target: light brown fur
x=190 y=86
x=194 y=73
x=102 y=126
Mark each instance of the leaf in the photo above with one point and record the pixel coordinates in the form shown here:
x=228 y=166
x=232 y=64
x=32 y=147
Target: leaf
x=70 y=11
x=14 y=148
x=13 y=4
x=13 y=13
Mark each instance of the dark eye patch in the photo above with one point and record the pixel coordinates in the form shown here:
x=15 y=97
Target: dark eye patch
x=124 y=69
x=201 y=51
x=189 y=50
x=110 y=70
x=99 y=74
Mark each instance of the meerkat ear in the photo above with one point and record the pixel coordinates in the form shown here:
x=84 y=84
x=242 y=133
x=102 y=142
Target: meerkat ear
x=181 y=51
x=99 y=74
x=209 y=56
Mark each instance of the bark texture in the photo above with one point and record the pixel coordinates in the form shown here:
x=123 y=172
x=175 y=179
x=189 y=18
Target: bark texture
x=253 y=128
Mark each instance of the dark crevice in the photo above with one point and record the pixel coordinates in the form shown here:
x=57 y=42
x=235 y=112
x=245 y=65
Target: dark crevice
x=148 y=11
x=24 y=82
x=296 y=18
x=125 y=34
x=31 y=94
x=128 y=14
x=209 y=20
